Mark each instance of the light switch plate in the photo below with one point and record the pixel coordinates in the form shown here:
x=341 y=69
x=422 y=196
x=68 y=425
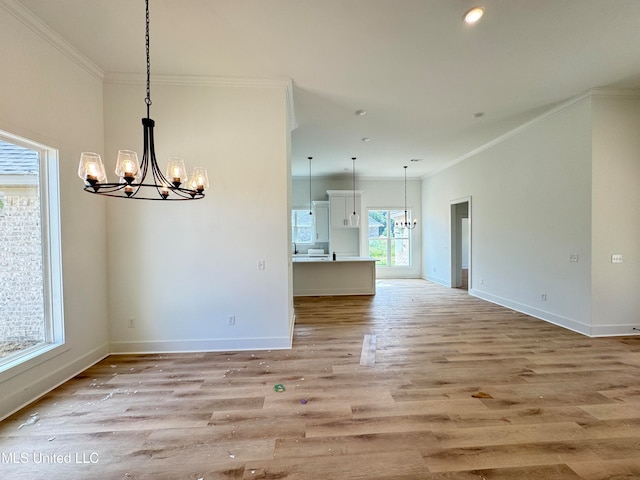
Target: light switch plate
x=616 y=258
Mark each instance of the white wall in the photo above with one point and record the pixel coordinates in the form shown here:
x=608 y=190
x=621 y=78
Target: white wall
x=377 y=194
x=531 y=208
x=181 y=269
x=48 y=97
x=616 y=223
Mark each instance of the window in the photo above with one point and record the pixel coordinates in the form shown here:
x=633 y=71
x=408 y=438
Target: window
x=389 y=244
x=30 y=260
x=301 y=226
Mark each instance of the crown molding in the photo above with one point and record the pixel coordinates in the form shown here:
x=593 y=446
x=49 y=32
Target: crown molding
x=194 y=80
x=592 y=92
x=614 y=92
x=210 y=81
x=36 y=25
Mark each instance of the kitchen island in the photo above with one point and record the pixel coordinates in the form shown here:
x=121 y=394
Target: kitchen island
x=315 y=276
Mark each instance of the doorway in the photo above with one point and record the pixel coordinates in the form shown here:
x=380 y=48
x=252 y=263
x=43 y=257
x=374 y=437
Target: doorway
x=461 y=243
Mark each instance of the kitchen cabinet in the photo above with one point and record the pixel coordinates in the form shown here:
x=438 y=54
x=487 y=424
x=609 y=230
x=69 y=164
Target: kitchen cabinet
x=344 y=238
x=341 y=207
x=344 y=276
x=321 y=221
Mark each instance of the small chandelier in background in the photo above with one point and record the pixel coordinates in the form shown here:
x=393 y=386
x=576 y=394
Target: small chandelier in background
x=406 y=223
x=174 y=184
x=354 y=218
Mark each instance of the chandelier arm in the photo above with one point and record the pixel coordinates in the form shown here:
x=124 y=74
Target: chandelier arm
x=159 y=179
x=147 y=125
x=155 y=170
x=168 y=199
x=145 y=157
x=104 y=188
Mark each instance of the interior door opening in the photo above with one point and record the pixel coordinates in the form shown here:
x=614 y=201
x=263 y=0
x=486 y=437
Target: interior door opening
x=461 y=243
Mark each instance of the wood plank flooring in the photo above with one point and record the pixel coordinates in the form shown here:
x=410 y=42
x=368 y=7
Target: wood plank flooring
x=554 y=404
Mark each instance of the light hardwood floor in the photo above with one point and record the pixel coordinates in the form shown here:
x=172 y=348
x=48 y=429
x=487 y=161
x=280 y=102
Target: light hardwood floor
x=561 y=406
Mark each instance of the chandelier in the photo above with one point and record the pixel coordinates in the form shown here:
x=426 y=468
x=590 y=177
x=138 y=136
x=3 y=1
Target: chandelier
x=174 y=184
x=406 y=223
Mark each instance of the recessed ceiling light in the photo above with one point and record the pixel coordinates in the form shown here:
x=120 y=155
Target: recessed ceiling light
x=477 y=115
x=473 y=15
x=360 y=113
x=365 y=139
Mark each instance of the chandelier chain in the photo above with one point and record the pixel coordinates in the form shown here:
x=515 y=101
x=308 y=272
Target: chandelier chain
x=406 y=223
x=147 y=100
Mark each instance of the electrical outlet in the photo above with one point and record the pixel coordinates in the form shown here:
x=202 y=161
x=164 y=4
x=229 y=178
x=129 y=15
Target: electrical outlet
x=260 y=264
x=132 y=322
x=573 y=257
x=482 y=281
x=232 y=320
x=543 y=297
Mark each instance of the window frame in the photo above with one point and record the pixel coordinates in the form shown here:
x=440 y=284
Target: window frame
x=389 y=238
x=49 y=193
x=295 y=227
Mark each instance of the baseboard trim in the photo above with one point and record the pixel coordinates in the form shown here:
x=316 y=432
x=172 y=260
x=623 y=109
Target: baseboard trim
x=52 y=380
x=292 y=325
x=195 y=346
x=615 y=331
x=333 y=293
x=558 y=320
x=391 y=276
x=439 y=281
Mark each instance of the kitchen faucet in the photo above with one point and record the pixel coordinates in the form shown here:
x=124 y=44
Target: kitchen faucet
x=295 y=247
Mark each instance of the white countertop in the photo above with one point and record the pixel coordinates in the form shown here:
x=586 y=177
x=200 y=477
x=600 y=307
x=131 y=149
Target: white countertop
x=305 y=259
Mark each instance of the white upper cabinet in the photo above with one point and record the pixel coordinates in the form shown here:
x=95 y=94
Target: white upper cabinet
x=321 y=221
x=341 y=207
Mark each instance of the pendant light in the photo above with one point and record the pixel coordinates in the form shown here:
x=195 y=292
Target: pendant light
x=133 y=184
x=354 y=218
x=406 y=224
x=310 y=211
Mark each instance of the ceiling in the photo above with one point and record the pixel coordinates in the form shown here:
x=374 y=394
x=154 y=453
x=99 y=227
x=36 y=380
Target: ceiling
x=417 y=70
